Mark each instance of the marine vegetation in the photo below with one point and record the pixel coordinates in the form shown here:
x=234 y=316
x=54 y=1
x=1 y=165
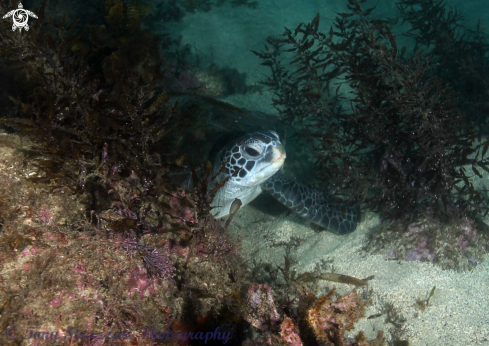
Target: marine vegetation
x=458 y=55
x=379 y=115
x=307 y=319
x=94 y=239
x=88 y=218
x=457 y=245
x=93 y=97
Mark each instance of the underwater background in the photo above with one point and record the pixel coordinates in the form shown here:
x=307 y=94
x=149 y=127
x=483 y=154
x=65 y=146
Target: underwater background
x=107 y=104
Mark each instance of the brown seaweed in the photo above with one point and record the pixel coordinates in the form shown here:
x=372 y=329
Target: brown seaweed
x=401 y=143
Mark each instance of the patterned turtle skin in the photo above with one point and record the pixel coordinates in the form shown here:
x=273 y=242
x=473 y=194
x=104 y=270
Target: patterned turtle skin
x=252 y=164
x=313 y=204
x=248 y=162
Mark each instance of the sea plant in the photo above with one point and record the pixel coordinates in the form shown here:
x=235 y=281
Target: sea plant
x=317 y=321
x=93 y=95
x=385 y=129
x=94 y=109
x=459 y=55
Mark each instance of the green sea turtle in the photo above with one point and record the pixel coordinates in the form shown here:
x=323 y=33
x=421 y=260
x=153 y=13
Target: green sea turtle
x=252 y=163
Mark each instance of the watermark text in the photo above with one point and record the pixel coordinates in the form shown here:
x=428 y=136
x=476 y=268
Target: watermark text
x=149 y=333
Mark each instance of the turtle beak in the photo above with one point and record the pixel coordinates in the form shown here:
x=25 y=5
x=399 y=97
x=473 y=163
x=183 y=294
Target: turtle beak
x=278 y=156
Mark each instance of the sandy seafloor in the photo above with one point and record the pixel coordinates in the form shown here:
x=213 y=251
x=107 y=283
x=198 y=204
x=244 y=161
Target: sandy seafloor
x=459 y=310
x=458 y=313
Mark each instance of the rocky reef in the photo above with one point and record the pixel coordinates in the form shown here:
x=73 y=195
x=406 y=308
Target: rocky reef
x=97 y=246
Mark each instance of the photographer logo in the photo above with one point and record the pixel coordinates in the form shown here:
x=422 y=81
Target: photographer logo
x=20 y=18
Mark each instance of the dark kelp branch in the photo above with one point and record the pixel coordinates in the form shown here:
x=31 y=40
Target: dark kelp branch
x=459 y=55
x=379 y=117
x=107 y=119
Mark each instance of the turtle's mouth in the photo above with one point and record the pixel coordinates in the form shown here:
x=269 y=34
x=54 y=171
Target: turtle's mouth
x=276 y=158
x=273 y=161
x=279 y=156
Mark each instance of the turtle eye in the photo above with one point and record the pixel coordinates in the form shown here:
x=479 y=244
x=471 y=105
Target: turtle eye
x=252 y=152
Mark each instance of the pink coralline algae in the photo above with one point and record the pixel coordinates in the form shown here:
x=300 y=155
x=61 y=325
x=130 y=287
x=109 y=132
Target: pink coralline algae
x=463 y=243
x=289 y=333
x=30 y=251
x=330 y=317
x=79 y=268
x=140 y=282
x=421 y=252
x=56 y=302
x=260 y=309
x=44 y=215
x=466 y=238
x=183 y=212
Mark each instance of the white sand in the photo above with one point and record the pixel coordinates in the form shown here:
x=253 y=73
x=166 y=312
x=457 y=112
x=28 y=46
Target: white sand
x=458 y=311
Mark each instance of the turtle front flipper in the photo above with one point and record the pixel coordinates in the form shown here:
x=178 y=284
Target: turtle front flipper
x=313 y=204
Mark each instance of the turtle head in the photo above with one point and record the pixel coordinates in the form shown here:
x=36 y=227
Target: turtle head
x=253 y=158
